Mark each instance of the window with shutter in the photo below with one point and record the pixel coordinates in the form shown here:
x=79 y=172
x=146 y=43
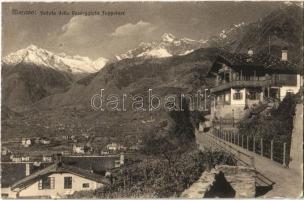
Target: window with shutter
x=237 y=95
x=40 y=185
x=67 y=182
x=52 y=182
x=46 y=183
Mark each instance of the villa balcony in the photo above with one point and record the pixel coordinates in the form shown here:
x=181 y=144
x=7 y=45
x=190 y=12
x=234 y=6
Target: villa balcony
x=240 y=84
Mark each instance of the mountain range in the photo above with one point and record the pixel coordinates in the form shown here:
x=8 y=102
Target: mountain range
x=31 y=74
x=281 y=28
x=72 y=65
x=53 y=97
x=168 y=46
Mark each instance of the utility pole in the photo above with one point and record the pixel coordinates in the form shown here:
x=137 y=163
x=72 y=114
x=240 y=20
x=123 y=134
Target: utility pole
x=269 y=44
x=206 y=98
x=232 y=117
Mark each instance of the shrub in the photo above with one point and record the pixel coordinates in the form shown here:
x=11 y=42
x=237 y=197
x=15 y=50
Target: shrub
x=155 y=177
x=277 y=126
x=183 y=129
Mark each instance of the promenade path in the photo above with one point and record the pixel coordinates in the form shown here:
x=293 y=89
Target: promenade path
x=285 y=182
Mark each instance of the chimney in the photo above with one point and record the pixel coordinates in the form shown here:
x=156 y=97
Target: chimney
x=91 y=169
x=250 y=52
x=27 y=169
x=284 y=54
x=122 y=159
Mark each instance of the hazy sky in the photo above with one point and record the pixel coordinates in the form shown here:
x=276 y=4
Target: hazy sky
x=105 y=36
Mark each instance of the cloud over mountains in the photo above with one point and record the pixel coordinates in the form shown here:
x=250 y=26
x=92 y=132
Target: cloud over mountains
x=107 y=36
x=130 y=29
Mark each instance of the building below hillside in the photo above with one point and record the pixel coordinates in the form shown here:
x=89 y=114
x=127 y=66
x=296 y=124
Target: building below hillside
x=64 y=176
x=244 y=81
x=56 y=181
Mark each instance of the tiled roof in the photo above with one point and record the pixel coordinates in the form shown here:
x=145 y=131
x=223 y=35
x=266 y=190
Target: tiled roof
x=99 y=164
x=258 y=61
x=9 y=173
x=13 y=172
x=59 y=168
x=95 y=163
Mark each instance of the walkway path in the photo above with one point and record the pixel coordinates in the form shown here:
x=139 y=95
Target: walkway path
x=287 y=182
x=296 y=162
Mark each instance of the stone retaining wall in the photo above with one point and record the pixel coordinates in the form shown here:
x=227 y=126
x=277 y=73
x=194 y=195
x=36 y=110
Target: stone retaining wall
x=240 y=179
x=201 y=186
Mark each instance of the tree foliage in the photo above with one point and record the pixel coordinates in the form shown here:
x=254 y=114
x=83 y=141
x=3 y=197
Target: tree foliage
x=183 y=129
x=278 y=124
x=156 y=177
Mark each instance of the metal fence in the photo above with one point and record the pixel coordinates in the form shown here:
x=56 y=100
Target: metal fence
x=226 y=121
x=274 y=150
x=239 y=156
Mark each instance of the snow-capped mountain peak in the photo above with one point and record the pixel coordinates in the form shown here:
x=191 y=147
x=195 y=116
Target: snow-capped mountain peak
x=60 y=62
x=203 y=41
x=157 y=52
x=168 y=37
x=229 y=31
x=187 y=40
x=32 y=47
x=99 y=63
x=167 y=46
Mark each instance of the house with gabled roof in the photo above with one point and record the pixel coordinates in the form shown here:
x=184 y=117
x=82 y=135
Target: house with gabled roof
x=12 y=172
x=243 y=81
x=56 y=181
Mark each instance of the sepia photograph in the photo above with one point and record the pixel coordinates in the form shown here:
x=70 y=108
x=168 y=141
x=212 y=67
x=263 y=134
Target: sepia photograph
x=152 y=99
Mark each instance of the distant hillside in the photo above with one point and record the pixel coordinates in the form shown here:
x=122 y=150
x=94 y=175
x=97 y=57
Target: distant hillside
x=281 y=28
x=138 y=75
x=23 y=85
x=7 y=113
x=69 y=111
x=30 y=74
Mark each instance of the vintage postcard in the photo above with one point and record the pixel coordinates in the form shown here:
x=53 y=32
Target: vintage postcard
x=195 y=99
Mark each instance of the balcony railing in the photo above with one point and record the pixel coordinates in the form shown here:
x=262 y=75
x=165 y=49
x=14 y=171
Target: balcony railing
x=240 y=84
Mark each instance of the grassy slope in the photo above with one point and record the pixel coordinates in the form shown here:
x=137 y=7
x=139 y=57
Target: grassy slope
x=70 y=112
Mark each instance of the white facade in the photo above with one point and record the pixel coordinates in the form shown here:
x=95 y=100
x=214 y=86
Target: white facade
x=47 y=158
x=240 y=87
x=78 y=149
x=240 y=101
x=26 y=142
x=292 y=89
x=58 y=191
x=233 y=103
x=113 y=147
x=25 y=158
x=284 y=55
x=7 y=193
x=16 y=159
x=45 y=141
x=228 y=106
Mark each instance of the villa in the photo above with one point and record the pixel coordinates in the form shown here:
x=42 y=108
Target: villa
x=243 y=81
x=57 y=181
x=52 y=180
